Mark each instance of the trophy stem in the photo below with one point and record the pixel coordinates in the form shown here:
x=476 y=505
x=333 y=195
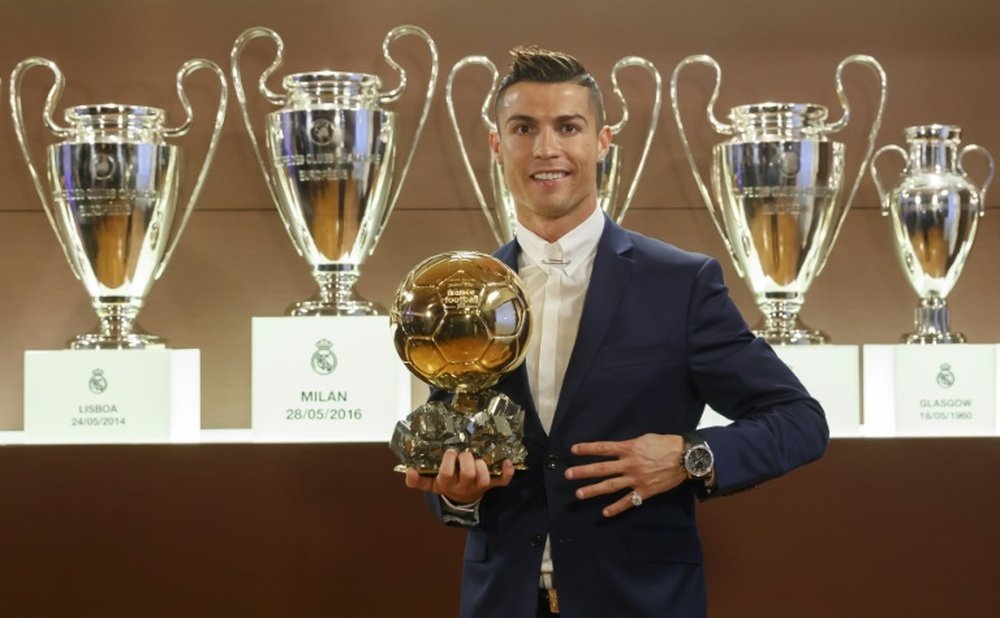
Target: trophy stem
x=782 y=326
x=931 y=321
x=336 y=296
x=117 y=328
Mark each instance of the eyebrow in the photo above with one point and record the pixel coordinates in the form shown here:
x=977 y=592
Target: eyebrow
x=559 y=119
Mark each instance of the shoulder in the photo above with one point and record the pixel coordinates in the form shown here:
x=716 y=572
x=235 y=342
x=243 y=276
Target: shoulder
x=657 y=254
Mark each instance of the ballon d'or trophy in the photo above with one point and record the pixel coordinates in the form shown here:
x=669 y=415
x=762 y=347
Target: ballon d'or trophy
x=778 y=202
x=935 y=210
x=331 y=149
x=113 y=197
x=460 y=323
x=502 y=217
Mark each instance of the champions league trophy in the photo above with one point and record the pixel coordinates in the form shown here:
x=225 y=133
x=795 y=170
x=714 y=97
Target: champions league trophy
x=331 y=148
x=777 y=184
x=935 y=210
x=460 y=323
x=113 y=195
x=502 y=216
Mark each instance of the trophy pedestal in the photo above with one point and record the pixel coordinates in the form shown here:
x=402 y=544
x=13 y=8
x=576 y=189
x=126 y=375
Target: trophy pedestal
x=112 y=396
x=929 y=390
x=326 y=379
x=781 y=326
x=832 y=375
x=932 y=322
x=336 y=297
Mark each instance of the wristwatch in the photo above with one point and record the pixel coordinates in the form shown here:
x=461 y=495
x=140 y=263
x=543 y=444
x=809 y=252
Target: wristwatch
x=697 y=459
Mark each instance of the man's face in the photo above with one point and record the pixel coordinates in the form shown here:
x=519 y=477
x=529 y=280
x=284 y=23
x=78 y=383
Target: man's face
x=548 y=144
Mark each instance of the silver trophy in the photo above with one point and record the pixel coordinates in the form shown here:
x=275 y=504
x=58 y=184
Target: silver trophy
x=778 y=194
x=112 y=200
x=935 y=210
x=330 y=153
x=502 y=216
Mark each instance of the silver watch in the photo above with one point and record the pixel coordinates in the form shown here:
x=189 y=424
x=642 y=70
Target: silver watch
x=697 y=459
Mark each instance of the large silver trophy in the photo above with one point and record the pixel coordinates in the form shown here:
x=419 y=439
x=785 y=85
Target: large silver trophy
x=935 y=209
x=331 y=148
x=501 y=216
x=778 y=204
x=112 y=197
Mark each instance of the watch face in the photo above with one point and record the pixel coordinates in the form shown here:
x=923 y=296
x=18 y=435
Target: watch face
x=698 y=460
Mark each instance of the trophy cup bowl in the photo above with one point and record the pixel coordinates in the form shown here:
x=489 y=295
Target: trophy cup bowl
x=112 y=198
x=460 y=323
x=502 y=216
x=935 y=210
x=329 y=166
x=777 y=195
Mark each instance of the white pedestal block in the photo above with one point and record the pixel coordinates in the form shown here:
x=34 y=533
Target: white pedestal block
x=930 y=390
x=112 y=396
x=326 y=379
x=831 y=374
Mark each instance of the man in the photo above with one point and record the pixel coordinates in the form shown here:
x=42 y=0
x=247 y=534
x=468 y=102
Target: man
x=632 y=337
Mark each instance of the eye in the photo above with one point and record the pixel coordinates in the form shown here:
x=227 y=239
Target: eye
x=570 y=128
x=521 y=129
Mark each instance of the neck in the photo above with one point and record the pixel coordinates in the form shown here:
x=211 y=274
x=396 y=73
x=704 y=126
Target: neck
x=554 y=228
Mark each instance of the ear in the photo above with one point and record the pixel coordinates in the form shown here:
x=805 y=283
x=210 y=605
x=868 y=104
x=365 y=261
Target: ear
x=603 y=142
x=495 y=147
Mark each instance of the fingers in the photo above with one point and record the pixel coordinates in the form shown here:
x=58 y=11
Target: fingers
x=605 y=449
x=608 y=486
x=618 y=506
x=461 y=477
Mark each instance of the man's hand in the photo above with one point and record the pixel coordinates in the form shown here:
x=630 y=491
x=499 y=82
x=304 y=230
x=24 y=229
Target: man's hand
x=461 y=478
x=647 y=465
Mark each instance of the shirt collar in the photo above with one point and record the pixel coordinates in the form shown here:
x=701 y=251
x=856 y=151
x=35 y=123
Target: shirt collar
x=577 y=245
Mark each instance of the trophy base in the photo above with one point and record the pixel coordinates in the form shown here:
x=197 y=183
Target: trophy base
x=322 y=307
x=931 y=320
x=434 y=472
x=111 y=341
x=797 y=334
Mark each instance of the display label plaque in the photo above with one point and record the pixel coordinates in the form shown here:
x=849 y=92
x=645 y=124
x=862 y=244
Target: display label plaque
x=945 y=390
x=111 y=396
x=326 y=379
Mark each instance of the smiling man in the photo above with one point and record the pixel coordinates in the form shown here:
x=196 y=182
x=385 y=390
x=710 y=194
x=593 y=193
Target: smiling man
x=632 y=337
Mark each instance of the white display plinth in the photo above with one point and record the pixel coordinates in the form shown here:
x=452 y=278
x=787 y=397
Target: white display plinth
x=832 y=375
x=112 y=396
x=930 y=390
x=326 y=379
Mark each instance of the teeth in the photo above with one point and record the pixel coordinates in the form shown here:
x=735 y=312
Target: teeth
x=548 y=175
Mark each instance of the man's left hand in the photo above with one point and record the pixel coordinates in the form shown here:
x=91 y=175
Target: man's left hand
x=647 y=465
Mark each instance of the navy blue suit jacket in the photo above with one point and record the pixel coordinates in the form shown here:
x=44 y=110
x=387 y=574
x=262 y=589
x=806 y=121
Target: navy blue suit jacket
x=659 y=338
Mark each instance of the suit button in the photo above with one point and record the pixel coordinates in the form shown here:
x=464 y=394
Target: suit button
x=537 y=540
x=551 y=461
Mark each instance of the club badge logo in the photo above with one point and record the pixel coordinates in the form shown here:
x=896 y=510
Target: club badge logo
x=945 y=378
x=97 y=383
x=324 y=361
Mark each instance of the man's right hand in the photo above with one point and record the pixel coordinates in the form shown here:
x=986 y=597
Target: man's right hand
x=461 y=478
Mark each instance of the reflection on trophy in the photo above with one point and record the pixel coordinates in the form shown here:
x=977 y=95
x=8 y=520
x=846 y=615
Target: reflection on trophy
x=113 y=197
x=502 y=217
x=778 y=205
x=935 y=210
x=330 y=155
x=460 y=323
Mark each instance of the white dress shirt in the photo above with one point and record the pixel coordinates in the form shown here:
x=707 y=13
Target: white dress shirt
x=556 y=276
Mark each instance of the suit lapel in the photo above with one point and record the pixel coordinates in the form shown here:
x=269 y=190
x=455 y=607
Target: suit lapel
x=609 y=279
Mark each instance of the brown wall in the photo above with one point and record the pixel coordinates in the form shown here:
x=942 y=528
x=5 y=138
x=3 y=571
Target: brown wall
x=325 y=529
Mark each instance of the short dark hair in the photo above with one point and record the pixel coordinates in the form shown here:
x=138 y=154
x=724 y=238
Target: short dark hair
x=534 y=64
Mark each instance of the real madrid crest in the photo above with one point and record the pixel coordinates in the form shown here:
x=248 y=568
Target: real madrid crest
x=324 y=361
x=945 y=378
x=97 y=383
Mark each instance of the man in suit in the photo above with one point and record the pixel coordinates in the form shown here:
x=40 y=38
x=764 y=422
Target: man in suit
x=632 y=337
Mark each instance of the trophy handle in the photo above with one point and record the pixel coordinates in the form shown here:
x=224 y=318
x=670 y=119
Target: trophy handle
x=989 y=176
x=874 y=65
x=17 y=116
x=274 y=99
x=720 y=127
x=492 y=217
x=636 y=61
x=395 y=94
x=883 y=197
x=187 y=69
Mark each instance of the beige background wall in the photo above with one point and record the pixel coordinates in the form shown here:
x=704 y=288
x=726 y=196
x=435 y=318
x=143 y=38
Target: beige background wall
x=254 y=530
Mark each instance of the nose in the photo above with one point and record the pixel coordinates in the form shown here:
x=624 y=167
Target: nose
x=546 y=144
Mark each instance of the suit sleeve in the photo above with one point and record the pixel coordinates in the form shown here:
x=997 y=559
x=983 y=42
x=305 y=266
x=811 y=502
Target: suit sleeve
x=777 y=426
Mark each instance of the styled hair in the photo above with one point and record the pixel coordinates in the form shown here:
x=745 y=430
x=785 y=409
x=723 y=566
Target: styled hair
x=534 y=64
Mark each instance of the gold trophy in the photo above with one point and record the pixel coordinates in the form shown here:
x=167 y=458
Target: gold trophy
x=460 y=323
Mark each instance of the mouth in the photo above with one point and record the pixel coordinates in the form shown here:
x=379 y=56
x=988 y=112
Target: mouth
x=549 y=176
